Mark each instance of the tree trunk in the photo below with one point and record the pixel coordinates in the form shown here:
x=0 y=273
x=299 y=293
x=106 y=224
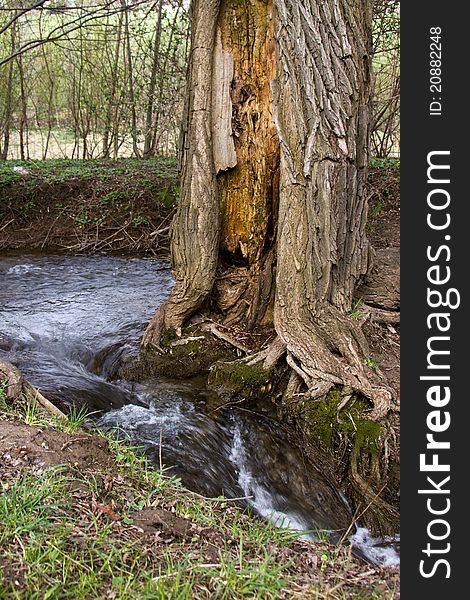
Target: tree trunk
x=110 y=125
x=130 y=75
x=323 y=102
x=149 y=148
x=23 y=124
x=8 y=111
x=274 y=159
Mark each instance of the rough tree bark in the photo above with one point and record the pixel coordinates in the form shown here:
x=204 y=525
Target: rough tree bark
x=274 y=160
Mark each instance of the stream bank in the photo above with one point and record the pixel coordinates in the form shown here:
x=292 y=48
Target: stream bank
x=123 y=206
x=83 y=516
x=84 y=235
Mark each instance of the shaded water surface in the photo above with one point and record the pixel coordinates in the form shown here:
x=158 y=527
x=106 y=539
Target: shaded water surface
x=67 y=321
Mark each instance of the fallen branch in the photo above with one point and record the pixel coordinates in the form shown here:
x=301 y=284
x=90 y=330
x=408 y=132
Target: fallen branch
x=44 y=402
x=16 y=386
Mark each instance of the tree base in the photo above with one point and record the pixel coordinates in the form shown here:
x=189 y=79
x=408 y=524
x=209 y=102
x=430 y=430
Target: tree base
x=326 y=420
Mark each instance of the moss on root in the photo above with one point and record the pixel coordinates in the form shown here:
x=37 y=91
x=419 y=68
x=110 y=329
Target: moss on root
x=236 y=380
x=325 y=422
x=181 y=357
x=357 y=445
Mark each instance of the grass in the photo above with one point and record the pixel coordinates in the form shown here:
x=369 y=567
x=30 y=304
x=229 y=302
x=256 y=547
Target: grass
x=62 y=170
x=4 y=406
x=7 y=175
x=69 y=531
x=370 y=362
x=356 y=309
x=59 y=545
x=30 y=504
x=76 y=419
x=384 y=163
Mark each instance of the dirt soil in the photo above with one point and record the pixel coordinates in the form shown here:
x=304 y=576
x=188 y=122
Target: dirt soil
x=384 y=232
x=22 y=445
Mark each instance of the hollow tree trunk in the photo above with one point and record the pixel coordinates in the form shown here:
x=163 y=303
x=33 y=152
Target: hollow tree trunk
x=275 y=151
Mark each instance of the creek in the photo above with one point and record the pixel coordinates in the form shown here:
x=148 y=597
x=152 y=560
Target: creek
x=67 y=321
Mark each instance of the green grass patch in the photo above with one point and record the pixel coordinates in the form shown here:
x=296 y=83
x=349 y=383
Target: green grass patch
x=384 y=163
x=62 y=170
x=115 y=197
x=7 y=174
x=60 y=544
x=29 y=505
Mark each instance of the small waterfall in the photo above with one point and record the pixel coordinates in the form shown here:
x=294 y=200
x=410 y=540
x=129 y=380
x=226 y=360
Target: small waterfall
x=258 y=496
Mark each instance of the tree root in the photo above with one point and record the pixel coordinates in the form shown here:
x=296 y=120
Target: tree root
x=153 y=333
x=378 y=315
x=331 y=351
x=379 y=514
x=268 y=356
x=12 y=380
x=327 y=352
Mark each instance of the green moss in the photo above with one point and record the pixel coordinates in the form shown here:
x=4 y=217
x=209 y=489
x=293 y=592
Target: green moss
x=367 y=435
x=321 y=417
x=327 y=424
x=242 y=374
x=235 y=380
x=167 y=337
x=183 y=357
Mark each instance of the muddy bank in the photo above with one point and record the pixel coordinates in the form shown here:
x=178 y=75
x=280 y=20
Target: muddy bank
x=88 y=206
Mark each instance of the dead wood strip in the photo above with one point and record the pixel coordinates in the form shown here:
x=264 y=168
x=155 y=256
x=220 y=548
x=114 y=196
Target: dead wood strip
x=44 y=402
x=379 y=315
x=159 y=231
x=226 y=338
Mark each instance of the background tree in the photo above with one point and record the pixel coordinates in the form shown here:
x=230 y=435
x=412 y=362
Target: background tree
x=271 y=222
x=385 y=136
x=93 y=78
x=87 y=54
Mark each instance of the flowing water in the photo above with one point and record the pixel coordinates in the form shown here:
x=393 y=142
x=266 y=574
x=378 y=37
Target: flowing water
x=68 y=321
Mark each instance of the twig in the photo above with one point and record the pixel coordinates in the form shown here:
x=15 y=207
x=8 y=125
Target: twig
x=158 y=231
x=358 y=515
x=70 y=442
x=45 y=403
x=219 y=499
x=6 y=224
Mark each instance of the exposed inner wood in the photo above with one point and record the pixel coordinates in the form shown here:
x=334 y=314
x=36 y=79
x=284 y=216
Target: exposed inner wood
x=249 y=192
